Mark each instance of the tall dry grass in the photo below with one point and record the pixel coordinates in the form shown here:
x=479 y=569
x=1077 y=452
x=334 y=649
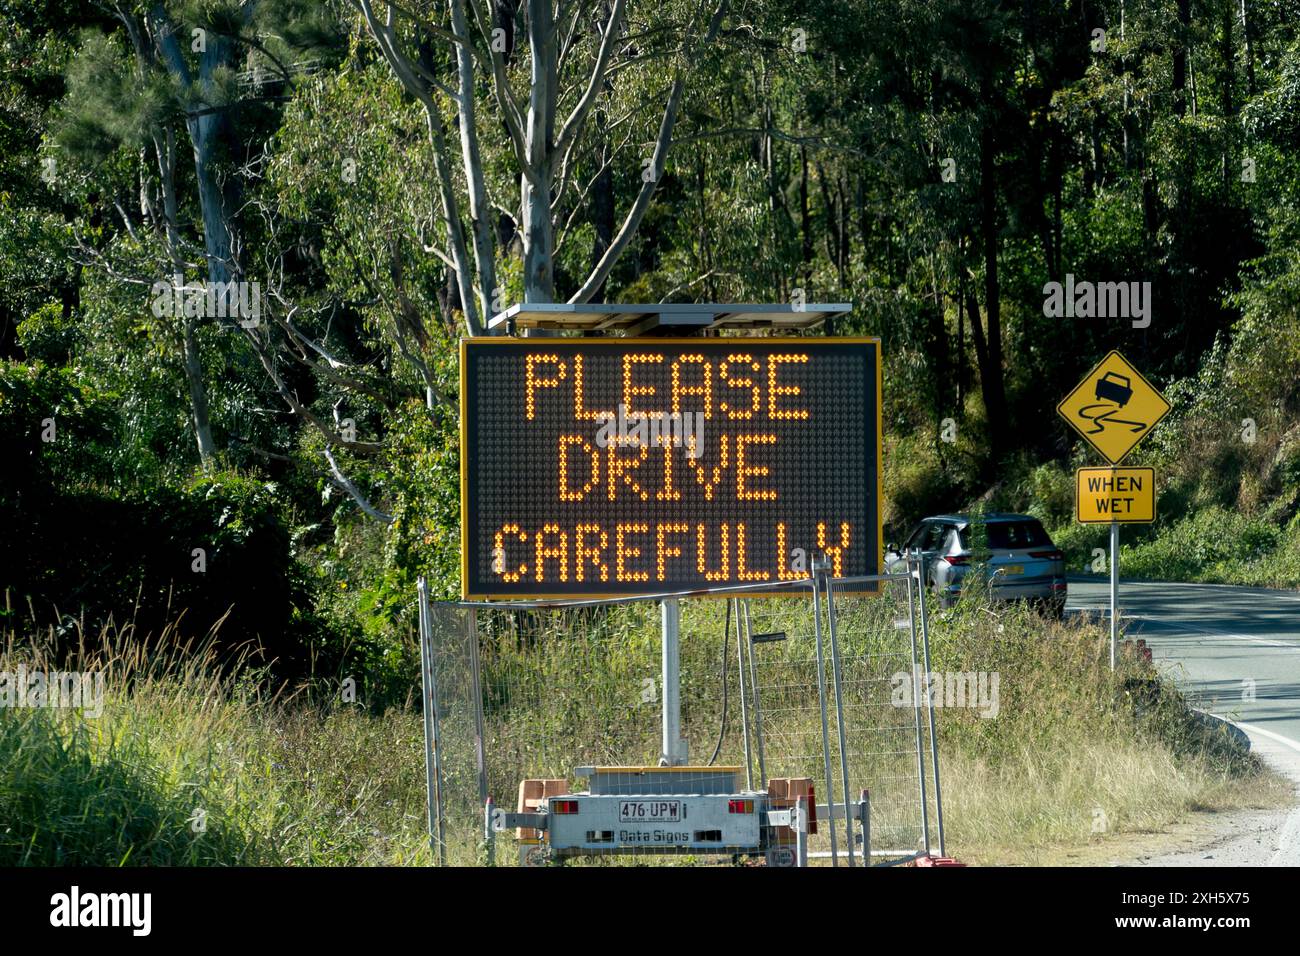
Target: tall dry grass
x=192 y=763
x=200 y=761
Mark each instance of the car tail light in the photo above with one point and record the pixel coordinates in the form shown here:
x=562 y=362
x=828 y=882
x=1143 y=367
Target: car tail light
x=957 y=558
x=740 y=806
x=1053 y=555
x=564 y=806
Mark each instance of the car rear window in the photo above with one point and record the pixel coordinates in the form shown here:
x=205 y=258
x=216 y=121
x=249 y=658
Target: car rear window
x=1010 y=534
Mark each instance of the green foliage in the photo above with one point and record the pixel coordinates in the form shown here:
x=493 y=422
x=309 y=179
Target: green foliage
x=187 y=763
x=34 y=257
x=1218 y=545
x=423 y=538
x=48 y=335
x=109 y=104
x=79 y=548
x=918 y=486
x=1050 y=491
x=1056 y=686
x=69 y=800
x=58 y=430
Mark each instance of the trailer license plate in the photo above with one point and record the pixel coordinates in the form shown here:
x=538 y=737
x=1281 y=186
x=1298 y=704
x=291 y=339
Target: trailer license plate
x=649 y=811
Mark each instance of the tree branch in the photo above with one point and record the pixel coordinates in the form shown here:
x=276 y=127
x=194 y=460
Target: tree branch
x=346 y=484
x=572 y=126
x=630 y=225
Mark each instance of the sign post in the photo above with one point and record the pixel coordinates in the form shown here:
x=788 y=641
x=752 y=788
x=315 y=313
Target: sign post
x=1114 y=590
x=673 y=751
x=1114 y=495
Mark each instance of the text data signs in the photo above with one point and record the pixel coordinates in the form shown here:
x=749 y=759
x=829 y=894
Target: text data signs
x=600 y=467
x=1122 y=495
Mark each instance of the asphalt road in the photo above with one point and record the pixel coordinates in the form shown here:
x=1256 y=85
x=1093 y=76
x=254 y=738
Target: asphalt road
x=1235 y=653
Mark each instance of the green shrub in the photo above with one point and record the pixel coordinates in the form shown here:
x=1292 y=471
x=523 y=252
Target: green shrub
x=1049 y=489
x=1216 y=544
x=48 y=335
x=218 y=547
x=918 y=485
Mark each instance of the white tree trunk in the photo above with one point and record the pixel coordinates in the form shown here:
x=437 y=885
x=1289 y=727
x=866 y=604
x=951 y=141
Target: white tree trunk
x=535 y=189
x=191 y=359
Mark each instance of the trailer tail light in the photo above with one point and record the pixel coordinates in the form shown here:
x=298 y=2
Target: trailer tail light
x=740 y=806
x=1053 y=555
x=564 y=806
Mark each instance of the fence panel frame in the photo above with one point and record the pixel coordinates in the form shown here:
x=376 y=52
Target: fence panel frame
x=826 y=639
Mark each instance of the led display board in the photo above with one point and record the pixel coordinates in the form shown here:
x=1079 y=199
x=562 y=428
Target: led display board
x=622 y=466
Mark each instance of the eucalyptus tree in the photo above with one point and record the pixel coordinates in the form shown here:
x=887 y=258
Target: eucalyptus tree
x=547 y=64
x=189 y=73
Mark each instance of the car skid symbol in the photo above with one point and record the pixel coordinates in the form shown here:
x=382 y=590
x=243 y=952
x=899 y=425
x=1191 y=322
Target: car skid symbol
x=1104 y=417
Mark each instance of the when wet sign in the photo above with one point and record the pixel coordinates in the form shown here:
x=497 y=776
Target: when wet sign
x=1121 y=495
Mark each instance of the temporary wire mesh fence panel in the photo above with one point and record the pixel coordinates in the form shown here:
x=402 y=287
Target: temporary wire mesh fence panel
x=887 y=726
x=558 y=689
x=566 y=688
x=458 y=698
x=874 y=649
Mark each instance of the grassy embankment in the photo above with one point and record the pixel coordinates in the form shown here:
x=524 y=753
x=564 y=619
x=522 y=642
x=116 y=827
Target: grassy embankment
x=189 y=766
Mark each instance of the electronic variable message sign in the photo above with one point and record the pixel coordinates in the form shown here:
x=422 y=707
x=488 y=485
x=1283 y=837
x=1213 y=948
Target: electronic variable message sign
x=622 y=466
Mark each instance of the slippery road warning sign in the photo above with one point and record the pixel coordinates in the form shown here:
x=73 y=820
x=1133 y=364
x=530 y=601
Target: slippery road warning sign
x=1113 y=408
x=1122 y=495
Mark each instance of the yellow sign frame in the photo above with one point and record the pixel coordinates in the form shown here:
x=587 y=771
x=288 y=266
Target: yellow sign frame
x=1095 y=516
x=870 y=589
x=1140 y=397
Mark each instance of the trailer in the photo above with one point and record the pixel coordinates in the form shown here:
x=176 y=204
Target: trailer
x=665 y=810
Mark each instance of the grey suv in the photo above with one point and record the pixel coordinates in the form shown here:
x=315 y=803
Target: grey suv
x=1022 y=562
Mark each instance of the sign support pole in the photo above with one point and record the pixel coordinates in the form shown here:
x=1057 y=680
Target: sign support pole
x=1114 y=387
x=432 y=741
x=734 y=603
x=1114 y=590
x=671 y=677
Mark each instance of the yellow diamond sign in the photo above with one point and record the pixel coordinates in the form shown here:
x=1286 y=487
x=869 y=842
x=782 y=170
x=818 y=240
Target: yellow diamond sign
x=1114 y=407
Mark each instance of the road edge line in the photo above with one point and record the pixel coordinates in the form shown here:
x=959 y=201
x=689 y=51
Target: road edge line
x=1290 y=832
